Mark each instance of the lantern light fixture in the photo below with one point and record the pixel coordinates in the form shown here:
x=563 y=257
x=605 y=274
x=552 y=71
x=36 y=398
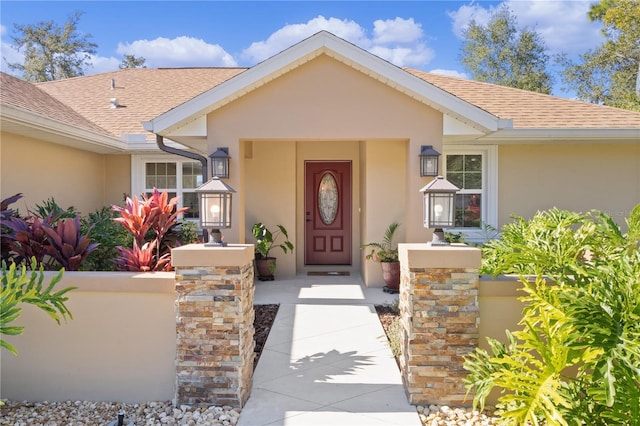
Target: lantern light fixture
x=220 y=163
x=429 y=159
x=215 y=209
x=439 y=207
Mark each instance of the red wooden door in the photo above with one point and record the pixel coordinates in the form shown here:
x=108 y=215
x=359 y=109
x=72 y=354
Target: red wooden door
x=327 y=213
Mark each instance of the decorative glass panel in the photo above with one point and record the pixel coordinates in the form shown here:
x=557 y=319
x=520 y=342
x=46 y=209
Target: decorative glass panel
x=328 y=199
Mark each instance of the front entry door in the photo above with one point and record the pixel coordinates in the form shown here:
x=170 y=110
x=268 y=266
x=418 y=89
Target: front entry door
x=327 y=213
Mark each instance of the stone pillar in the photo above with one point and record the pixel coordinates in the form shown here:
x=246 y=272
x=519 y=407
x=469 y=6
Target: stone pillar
x=440 y=318
x=214 y=324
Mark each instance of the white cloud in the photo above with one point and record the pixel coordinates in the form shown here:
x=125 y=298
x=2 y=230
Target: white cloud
x=8 y=53
x=399 y=41
x=450 y=73
x=100 y=64
x=461 y=17
x=563 y=25
x=402 y=31
x=180 y=51
x=294 y=33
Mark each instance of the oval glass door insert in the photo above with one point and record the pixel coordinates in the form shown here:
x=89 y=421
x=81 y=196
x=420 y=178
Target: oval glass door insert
x=328 y=198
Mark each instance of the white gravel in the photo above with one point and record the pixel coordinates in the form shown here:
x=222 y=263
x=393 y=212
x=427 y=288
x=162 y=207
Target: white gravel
x=84 y=413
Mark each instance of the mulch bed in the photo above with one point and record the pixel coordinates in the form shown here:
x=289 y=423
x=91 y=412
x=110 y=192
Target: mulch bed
x=264 y=317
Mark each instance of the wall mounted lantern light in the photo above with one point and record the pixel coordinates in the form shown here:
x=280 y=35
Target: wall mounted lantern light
x=439 y=207
x=215 y=209
x=428 y=161
x=220 y=163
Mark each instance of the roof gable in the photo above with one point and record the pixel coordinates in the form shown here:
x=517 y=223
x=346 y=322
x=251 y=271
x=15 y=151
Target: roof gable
x=323 y=43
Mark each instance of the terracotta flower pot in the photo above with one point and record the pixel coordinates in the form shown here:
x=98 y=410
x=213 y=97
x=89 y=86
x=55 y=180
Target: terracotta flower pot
x=391 y=274
x=265 y=267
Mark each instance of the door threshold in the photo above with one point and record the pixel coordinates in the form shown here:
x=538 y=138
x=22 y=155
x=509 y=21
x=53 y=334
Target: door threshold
x=329 y=273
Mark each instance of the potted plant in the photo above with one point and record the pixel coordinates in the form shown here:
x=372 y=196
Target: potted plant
x=265 y=241
x=387 y=255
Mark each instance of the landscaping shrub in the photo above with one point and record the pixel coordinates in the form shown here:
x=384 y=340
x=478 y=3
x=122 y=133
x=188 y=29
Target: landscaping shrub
x=17 y=287
x=576 y=359
x=152 y=222
x=109 y=234
x=51 y=236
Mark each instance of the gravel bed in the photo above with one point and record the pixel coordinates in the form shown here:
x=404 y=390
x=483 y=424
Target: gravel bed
x=83 y=413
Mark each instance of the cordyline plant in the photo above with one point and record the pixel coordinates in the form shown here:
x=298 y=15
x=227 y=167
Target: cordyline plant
x=149 y=221
x=576 y=359
x=52 y=241
x=18 y=287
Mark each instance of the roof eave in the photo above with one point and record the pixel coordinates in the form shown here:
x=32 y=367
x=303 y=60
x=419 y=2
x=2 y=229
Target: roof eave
x=59 y=132
x=575 y=135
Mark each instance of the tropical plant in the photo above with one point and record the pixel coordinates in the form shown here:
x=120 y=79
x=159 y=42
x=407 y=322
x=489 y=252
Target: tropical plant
x=6 y=232
x=267 y=240
x=384 y=251
x=149 y=220
x=582 y=313
x=109 y=234
x=67 y=245
x=142 y=259
x=27 y=239
x=20 y=287
x=51 y=210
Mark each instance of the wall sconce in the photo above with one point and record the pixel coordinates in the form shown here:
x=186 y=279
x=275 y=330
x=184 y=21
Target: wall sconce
x=439 y=208
x=428 y=161
x=220 y=163
x=215 y=209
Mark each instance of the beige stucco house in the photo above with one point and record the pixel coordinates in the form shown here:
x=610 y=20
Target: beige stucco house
x=321 y=106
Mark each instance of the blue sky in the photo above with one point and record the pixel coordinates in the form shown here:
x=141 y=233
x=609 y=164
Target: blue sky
x=418 y=34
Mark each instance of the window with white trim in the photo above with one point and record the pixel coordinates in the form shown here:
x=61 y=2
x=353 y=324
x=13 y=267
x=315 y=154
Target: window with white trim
x=179 y=177
x=474 y=171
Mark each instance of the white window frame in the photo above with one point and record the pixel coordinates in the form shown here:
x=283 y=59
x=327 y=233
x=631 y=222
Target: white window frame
x=138 y=172
x=489 y=211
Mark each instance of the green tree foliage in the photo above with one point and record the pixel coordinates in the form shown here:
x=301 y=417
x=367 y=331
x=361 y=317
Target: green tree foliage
x=609 y=74
x=500 y=53
x=131 y=61
x=18 y=287
x=52 y=52
x=576 y=359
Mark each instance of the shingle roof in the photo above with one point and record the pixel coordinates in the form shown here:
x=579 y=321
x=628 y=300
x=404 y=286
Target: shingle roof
x=143 y=94
x=530 y=110
x=26 y=96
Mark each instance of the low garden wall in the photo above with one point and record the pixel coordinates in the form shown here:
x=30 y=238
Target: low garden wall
x=119 y=346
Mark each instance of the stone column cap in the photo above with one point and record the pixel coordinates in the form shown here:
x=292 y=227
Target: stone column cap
x=194 y=255
x=422 y=255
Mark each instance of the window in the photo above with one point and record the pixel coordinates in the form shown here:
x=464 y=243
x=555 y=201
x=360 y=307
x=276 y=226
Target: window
x=179 y=177
x=474 y=171
x=465 y=172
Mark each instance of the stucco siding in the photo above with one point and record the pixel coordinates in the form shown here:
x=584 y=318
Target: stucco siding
x=343 y=115
x=117 y=178
x=575 y=177
x=41 y=170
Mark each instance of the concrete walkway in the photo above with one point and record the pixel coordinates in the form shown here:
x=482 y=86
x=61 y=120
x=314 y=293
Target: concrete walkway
x=327 y=360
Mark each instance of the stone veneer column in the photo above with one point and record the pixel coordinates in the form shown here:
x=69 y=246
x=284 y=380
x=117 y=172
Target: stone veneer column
x=214 y=324
x=440 y=317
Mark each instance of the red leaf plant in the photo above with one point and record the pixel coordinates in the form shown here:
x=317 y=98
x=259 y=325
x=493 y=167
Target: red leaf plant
x=66 y=243
x=148 y=220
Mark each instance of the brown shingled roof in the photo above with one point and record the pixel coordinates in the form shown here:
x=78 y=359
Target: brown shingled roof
x=142 y=94
x=530 y=110
x=26 y=96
